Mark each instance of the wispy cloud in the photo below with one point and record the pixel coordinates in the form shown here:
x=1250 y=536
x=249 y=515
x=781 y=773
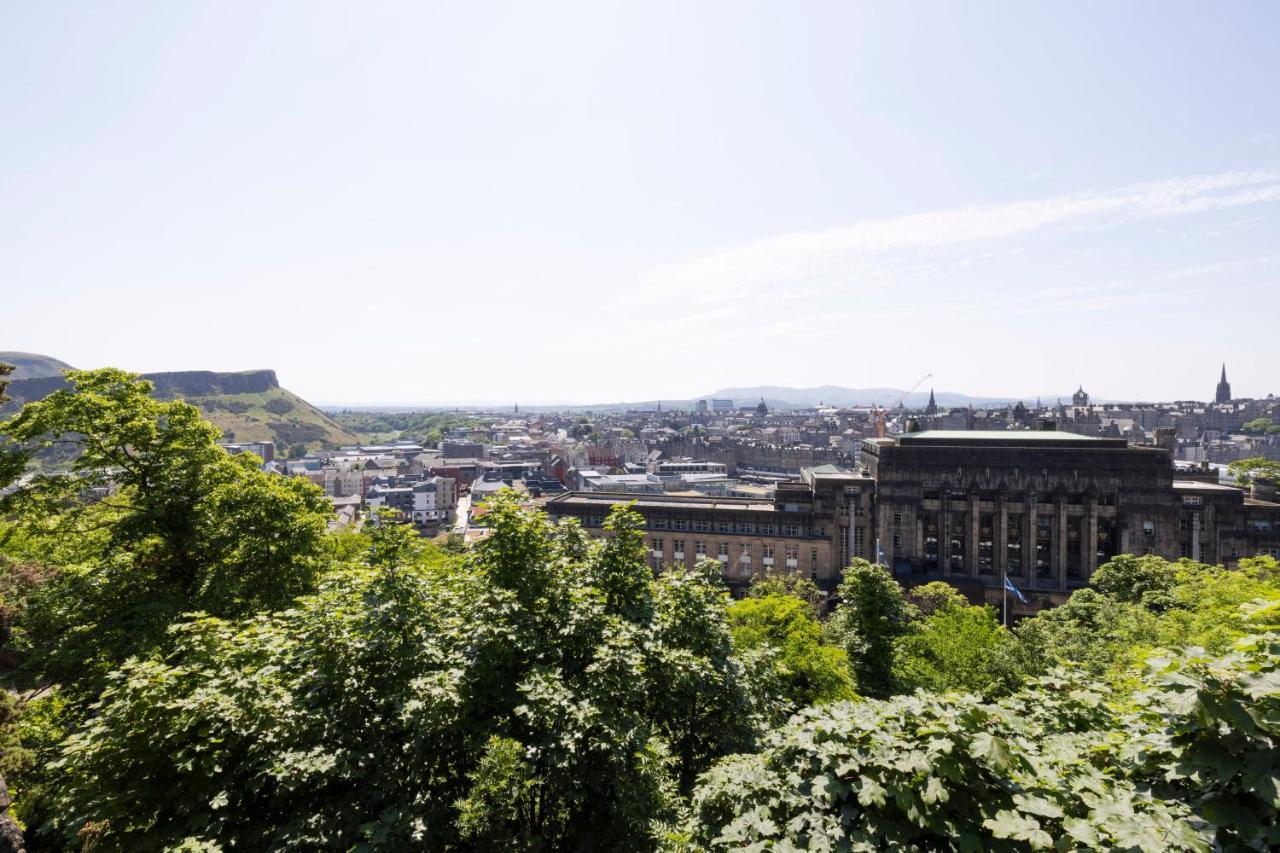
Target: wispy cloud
x=867 y=255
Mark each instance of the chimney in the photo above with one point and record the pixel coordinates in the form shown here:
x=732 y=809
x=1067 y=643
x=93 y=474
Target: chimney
x=1262 y=489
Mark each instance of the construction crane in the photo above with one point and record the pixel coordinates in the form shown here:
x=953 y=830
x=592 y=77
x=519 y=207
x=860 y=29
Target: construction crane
x=879 y=413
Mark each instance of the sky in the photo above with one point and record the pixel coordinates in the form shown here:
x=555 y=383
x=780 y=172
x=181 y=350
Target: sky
x=587 y=202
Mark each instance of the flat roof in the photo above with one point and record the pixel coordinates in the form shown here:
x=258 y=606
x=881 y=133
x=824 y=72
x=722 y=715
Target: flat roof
x=992 y=437
x=988 y=434
x=661 y=501
x=1202 y=486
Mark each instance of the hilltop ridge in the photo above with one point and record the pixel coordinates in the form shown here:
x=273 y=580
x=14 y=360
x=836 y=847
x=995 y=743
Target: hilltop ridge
x=248 y=405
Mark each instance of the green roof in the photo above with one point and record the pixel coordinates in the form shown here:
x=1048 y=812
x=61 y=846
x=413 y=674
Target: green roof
x=998 y=434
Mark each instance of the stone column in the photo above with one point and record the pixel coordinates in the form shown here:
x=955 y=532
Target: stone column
x=944 y=536
x=1060 y=542
x=1030 y=526
x=1000 y=543
x=971 y=541
x=1089 y=547
x=1195 y=536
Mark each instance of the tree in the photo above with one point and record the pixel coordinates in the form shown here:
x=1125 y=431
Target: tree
x=153 y=520
x=810 y=672
x=796 y=586
x=957 y=648
x=1255 y=468
x=871 y=615
x=933 y=597
x=1092 y=631
x=544 y=691
x=1187 y=763
x=928 y=772
x=1146 y=581
x=1261 y=426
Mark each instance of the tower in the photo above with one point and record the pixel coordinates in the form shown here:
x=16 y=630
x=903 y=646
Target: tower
x=1223 y=394
x=932 y=407
x=1080 y=398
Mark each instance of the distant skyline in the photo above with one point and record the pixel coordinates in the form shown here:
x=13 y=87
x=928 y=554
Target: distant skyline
x=583 y=203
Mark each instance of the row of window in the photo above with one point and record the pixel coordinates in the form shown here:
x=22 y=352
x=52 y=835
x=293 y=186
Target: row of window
x=1074 y=499
x=767 y=551
x=744 y=528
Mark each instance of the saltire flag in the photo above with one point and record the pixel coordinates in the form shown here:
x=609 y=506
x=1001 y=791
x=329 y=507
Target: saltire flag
x=1017 y=593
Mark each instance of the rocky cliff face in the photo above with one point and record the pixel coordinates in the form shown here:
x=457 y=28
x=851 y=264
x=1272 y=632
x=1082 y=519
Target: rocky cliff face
x=202 y=383
x=186 y=383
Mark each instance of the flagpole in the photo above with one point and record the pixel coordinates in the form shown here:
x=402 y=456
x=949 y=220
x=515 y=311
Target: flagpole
x=1004 y=596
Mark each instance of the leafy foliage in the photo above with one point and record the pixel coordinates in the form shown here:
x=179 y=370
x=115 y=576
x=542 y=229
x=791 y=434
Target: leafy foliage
x=957 y=648
x=809 y=672
x=939 y=773
x=548 y=693
x=153 y=520
x=872 y=613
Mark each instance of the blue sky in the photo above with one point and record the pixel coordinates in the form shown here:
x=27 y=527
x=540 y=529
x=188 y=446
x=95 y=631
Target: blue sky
x=599 y=201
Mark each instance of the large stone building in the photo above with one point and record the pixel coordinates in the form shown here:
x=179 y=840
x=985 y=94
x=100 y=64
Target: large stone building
x=812 y=527
x=1046 y=508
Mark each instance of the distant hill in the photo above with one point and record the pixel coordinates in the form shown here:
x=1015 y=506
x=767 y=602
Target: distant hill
x=33 y=366
x=246 y=406
x=836 y=395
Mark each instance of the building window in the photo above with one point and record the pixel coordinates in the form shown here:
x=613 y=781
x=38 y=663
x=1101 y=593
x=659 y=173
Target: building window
x=682 y=524
x=1013 y=544
x=658 y=542
x=700 y=547
x=768 y=550
x=677 y=545
x=790 y=530
x=1148 y=528
x=1044 y=544
x=897 y=543
x=897 y=519
x=700 y=525
x=724 y=527
x=986 y=544
x=660 y=523
x=813 y=558
x=768 y=530
x=859 y=536
x=722 y=549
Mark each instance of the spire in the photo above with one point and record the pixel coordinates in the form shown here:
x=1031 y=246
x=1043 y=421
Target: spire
x=1223 y=392
x=932 y=408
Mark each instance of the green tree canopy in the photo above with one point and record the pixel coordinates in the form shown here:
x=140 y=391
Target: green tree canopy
x=544 y=692
x=1255 y=467
x=152 y=520
x=810 y=672
x=935 y=596
x=958 y=648
x=872 y=614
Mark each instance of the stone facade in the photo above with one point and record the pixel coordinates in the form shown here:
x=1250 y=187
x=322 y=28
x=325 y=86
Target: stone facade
x=811 y=528
x=1044 y=508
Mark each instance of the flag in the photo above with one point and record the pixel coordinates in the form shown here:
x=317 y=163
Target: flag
x=1008 y=584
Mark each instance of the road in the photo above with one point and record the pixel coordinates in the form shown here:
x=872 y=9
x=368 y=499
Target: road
x=464 y=515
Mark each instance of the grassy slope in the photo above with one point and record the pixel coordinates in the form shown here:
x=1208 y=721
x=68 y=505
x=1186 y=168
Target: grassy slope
x=276 y=415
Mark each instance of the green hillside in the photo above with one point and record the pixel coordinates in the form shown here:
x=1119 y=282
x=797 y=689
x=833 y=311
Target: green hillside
x=246 y=406
x=31 y=365
x=277 y=415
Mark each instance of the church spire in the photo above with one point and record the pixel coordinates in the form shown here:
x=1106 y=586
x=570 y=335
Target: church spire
x=1223 y=393
x=932 y=408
